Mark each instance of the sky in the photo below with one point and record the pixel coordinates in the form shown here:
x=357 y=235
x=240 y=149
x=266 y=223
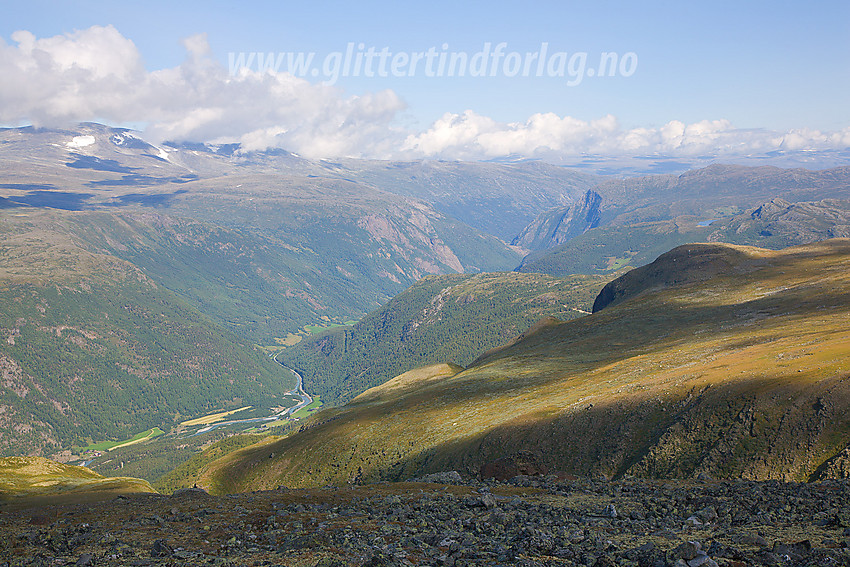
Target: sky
x=679 y=79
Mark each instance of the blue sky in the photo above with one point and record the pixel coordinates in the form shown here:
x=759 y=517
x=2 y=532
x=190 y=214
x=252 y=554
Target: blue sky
x=777 y=66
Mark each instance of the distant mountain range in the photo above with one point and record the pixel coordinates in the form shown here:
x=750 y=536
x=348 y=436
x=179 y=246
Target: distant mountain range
x=639 y=218
x=95 y=165
x=137 y=280
x=263 y=226
x=775 y=224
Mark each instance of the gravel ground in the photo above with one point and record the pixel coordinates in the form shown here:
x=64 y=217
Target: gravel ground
x=526 y=521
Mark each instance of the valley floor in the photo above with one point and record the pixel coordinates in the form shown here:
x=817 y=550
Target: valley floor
x=528 y=521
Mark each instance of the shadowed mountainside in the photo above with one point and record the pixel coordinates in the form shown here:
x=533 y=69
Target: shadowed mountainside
x=742 y=374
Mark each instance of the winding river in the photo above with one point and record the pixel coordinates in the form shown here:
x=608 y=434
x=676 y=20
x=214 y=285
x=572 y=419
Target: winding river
x=306 y=400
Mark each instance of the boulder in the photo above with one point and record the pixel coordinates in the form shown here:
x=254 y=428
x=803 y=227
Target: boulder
x=527 y=463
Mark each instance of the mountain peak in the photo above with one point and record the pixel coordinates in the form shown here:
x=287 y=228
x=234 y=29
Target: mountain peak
x=770 y=208
x=559 y=225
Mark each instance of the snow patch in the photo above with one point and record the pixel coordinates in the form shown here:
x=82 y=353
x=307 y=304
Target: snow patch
x=80 y=141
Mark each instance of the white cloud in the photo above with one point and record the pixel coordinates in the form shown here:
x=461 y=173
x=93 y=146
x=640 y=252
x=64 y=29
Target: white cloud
x=470 y=136
x=68 y=77
x=98 y=74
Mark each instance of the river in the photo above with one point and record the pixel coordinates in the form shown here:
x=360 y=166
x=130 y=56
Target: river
x=306 y=400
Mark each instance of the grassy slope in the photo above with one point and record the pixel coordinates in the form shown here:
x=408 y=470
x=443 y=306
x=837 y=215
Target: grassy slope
x=440 y=318
x=93 y=349
x=743 y=374
x=37 y=477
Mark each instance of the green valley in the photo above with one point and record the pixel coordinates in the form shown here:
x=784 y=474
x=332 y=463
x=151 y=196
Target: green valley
x=440 y=318
x=716 y=359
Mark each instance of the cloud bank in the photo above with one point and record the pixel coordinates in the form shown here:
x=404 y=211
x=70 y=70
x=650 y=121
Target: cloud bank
x=98 y=74
x=472 y=136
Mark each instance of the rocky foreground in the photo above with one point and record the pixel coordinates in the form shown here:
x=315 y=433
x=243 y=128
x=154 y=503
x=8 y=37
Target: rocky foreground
x=526 y=521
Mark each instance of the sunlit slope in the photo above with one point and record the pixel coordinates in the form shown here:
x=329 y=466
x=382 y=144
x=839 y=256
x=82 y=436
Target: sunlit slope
x=741 y=372
x=39 y=477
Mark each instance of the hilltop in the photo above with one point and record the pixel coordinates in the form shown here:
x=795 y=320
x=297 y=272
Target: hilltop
x=36 y=480
x=740 y=374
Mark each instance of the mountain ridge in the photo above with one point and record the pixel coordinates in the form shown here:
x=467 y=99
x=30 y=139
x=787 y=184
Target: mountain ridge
x=776 y=223
x=717 y=377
